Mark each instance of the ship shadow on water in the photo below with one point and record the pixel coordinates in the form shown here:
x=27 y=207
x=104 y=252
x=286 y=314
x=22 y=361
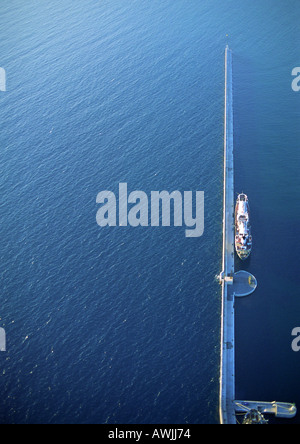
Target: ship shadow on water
x=240 y=265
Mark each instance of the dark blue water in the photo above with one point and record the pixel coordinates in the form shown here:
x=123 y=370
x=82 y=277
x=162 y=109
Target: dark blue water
x=122 y=325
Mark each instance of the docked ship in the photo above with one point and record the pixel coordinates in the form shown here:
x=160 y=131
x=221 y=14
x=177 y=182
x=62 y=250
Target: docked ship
x=243 y=237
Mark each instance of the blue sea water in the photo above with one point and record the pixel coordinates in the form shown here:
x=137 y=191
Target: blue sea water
x=122 y=325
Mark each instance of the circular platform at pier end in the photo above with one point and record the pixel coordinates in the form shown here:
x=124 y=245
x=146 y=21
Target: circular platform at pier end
x=244 y=284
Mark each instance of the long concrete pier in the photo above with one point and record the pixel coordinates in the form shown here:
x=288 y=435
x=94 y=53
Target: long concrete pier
x=227 y=378
x=235 y=285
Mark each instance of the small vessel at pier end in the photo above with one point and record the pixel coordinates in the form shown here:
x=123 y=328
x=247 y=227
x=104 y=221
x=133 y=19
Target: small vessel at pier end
x=243 y=237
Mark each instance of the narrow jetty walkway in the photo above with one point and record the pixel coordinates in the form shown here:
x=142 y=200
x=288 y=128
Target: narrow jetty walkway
x=227 y=380
x=235 y=284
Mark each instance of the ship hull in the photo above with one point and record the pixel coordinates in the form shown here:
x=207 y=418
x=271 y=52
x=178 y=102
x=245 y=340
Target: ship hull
x=243 y=236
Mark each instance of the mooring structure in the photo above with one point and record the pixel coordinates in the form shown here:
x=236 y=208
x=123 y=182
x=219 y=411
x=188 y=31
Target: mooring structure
x=235 y=284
